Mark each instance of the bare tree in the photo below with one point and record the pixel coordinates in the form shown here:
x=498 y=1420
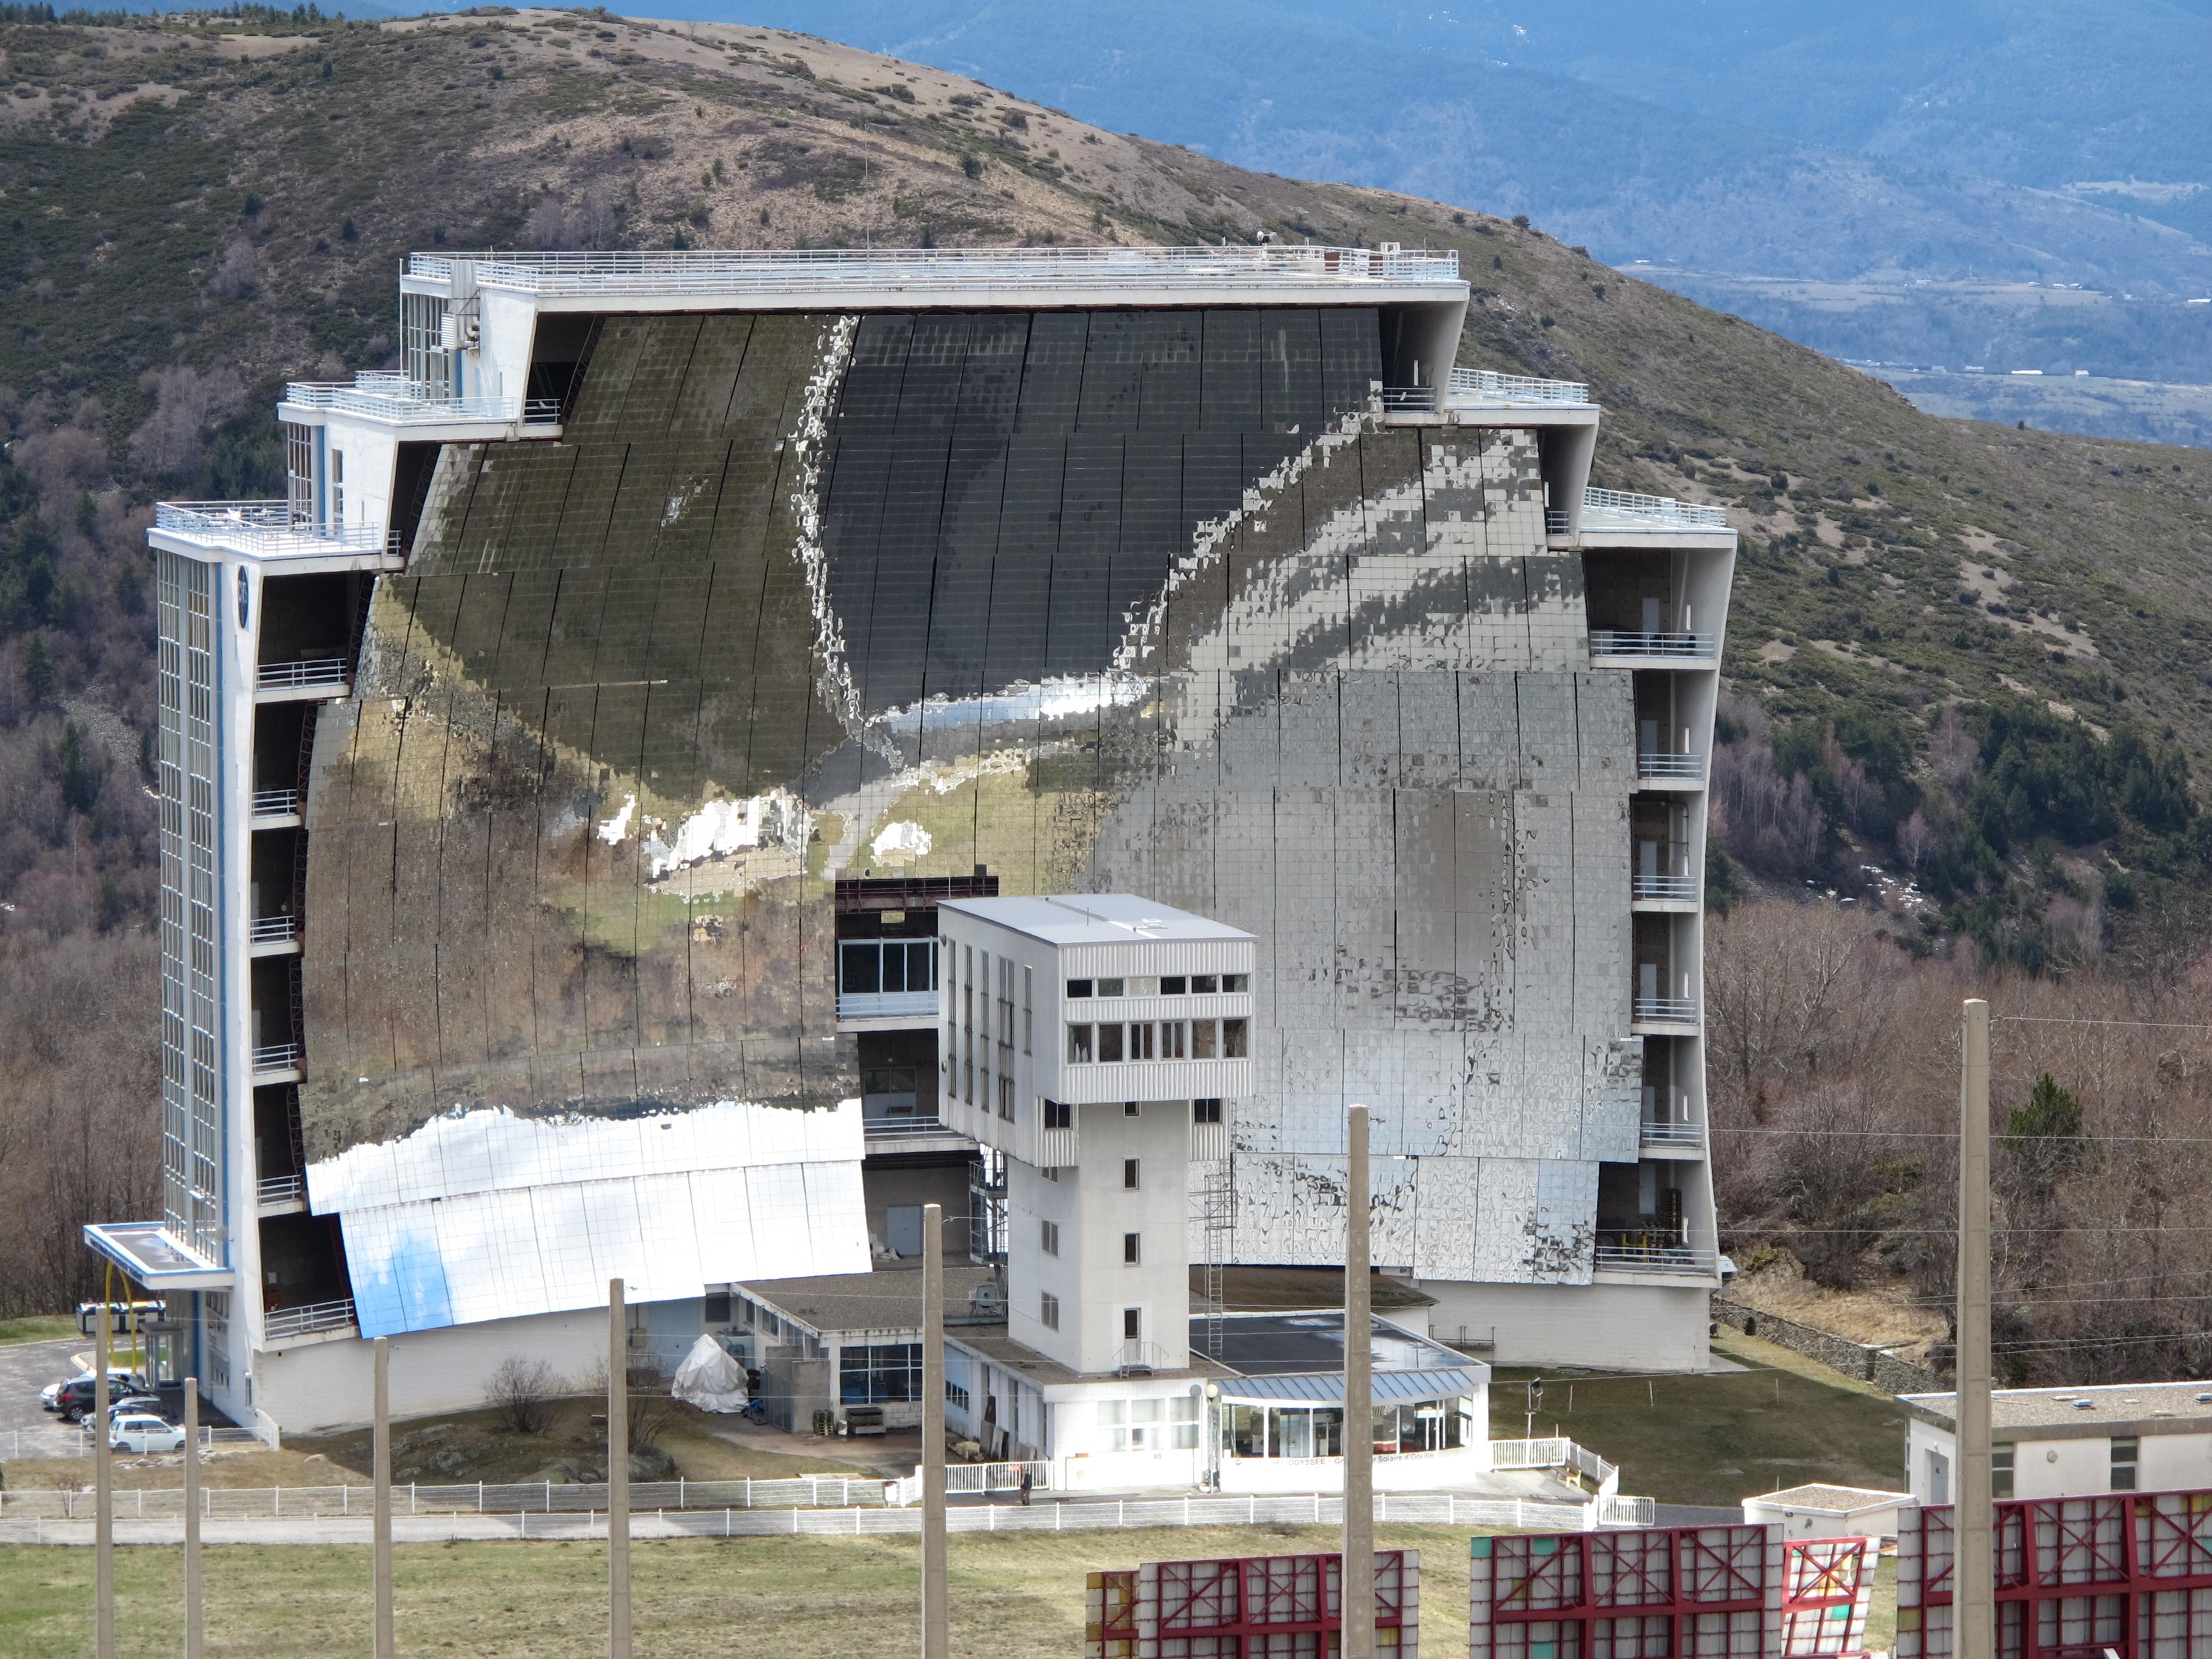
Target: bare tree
x=522 y=1391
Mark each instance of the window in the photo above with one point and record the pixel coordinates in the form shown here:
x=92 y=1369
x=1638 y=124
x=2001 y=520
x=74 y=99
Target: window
x=1171 y=1039
x=1079 y=1045
x=1028 y=1010
x=298 y=473
x=870 y=1374
x=1133 y=1250
x=955 y=1394
x=890 y=967
x=2001 y=1471
x=1078 y=988
x=1109 y=1043
x=1049 y=1311
x=1150 y=1425
x=337 y=488
x=1132 y=1324
x=1202 y=1044
x=1058 y=1114
x=1172 y=985
x=2125 y=1451
x=1140 y=1041
x=1050 y=1237
x=1235 y=982
x=1939 y=1478
x=987 y=1080
x=1129 y=1174
x=1204 y=985
x=1234 y=1044
x=1143 y=985
x=1109 y=987
x=1006 y=1096
x=1131 y=1108
x=1206 y=1111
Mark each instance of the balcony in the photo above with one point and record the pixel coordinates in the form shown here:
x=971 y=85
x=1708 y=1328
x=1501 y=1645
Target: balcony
x=273 y=1057
x=277 y=1195
x=276 y=804
x=1664 y=1137
x=265 y=530
x=911 y=1134
x=1651 y=1253
x=1484 y=386
x=1662 y=889
x=1665 y=767
x=1667 y=647
x=273 y=930
x=286 y=1324
x=1664 y=1010
x=398 y=401
x=310 y=674
x=893 y=980
x=1636 y=511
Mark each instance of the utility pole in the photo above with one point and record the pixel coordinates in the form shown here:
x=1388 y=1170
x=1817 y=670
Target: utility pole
x=103 y=1500
x=1973 y=1578
x=936 y=1614
x=1358 y=1579
x=195 y=1627
x=617 y=1474
x=380 y=1505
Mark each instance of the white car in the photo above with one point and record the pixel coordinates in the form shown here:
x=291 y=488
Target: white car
x=143 y=1434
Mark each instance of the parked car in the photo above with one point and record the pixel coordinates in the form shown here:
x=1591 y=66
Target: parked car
x=142 y=1434
x=136 y=1405
x=74 y=1399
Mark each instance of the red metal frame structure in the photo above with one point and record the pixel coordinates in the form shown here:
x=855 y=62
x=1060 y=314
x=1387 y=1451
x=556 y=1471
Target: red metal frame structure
x=2130 y=1573
x=1267 y=1606
x=1735 y=1592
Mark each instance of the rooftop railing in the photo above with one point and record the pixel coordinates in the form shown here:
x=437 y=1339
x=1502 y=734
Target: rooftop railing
x=904 y=1129
x=266 y=529
x=1668 y=1011
x=1629 y=1257
x=1658 y=509
x=1672 y=888
x=387 y=397
x=294 y=675
x=1622 y=642
x=1486 y=385
x=276 y=803
x=1652 y=764
x=782 y=269
x=305 y=1322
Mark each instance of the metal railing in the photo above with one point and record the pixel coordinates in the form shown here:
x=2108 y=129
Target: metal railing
x=1620 y=642
x=1486 y=385
x=1654 y=1259
x=1661 y=763
x=273 y=930
x=1555 y=1452
x=276 y=803
x=1418 y=397
x=266 y=529
x=781 y=269
x=1617 y=1511
x=293 y=675
x=1555 y=521
x=1669 y=1135
x=1679 y=1011
x=1674 y=888
x=1661 y=509
x=973 y=1478
x=1141 y=1355
x=281 y=1190
x=303 y=1321
x=276 y=1056
x=402 y=402
x=904 y=1129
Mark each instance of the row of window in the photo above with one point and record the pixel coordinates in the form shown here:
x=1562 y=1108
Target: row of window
x=1155 y=1425
x=1107 y=1044
x=1318 y=1430
x=1059 y=1115
x=1163 y=985
x=881 y=1373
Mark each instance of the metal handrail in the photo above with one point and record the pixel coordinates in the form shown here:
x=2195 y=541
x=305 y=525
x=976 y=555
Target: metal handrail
x=267 y=529
x=271 y=930
x=276 y=1056
x=303 y=1321
x=276 y=803
x=904 y=1129
x=1623 y=643
x=1684 y=1009
x=1662 y=887
x=401 y=401
x=1654 y=1259
x=1555 y=521
x=1487 y=385
x=1665 y=508
x=311 y=670
x=281 y=1190
x=1130 y=1355
x=1670 y=1135
x=779 y=270
x=1423 y=398
x=1659 y=763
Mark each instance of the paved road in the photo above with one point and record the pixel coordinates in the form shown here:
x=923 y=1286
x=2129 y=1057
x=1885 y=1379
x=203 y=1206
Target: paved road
x=26 y=1428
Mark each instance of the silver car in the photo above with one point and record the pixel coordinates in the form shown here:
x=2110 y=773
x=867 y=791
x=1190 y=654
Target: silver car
x=143 y=1434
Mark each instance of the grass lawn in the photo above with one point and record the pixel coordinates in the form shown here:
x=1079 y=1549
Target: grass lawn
x=810 y=1598
x=38 y=1327
x=1723 y=1436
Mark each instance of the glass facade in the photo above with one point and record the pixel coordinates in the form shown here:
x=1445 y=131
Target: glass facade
x=191 y=1041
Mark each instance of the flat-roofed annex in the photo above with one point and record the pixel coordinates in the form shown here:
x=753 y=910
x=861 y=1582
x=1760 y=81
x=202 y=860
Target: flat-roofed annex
x=1097 y=918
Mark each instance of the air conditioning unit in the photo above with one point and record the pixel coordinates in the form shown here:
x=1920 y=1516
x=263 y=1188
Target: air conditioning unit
x=449 y=331
x=988 y=1298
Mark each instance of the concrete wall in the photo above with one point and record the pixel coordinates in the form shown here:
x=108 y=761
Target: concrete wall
x=1661 y=1328
x=903 y=1182
x=1875 y=1366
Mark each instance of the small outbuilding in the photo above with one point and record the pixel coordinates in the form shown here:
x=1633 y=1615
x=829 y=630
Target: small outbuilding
x=1817 y=1512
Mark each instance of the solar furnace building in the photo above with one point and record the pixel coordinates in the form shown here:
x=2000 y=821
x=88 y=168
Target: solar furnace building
x=560 y=784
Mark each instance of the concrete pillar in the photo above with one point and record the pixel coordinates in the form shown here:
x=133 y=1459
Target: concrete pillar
x=617 y=1474
x=195 y=1625
x=379 y=1474
x=1358 y=1638
x=936 y=1614
x=103 y=1499
x=1973 y=1613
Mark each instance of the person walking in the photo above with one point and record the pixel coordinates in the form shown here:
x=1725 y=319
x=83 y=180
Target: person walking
x=1027 y=1478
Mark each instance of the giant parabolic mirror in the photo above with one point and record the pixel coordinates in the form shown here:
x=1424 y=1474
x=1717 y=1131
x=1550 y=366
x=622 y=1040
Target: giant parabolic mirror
x=1146 y=599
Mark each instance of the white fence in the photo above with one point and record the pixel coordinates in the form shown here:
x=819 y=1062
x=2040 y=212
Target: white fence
x=1557 y=1453
x=533 y=1497
x=965 y=1478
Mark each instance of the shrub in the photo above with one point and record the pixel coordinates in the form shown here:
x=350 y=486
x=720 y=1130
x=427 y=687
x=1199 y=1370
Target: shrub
x=521 y=1391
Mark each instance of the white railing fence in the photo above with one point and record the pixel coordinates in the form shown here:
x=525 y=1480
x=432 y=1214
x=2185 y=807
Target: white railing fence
x=1557 y=1452
x=1486 y=386
x=265 y=528
x=1624 y=643
x=306 y=1322
x=532 y=1498
x=1663 y=508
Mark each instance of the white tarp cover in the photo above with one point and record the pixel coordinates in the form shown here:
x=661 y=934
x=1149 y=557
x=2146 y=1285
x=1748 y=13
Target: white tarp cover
x=709 y=1379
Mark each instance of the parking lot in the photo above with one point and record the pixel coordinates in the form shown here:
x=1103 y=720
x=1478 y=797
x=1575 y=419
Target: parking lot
x=26 y=1430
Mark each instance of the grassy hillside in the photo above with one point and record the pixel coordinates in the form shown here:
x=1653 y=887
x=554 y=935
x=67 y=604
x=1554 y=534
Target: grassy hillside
x=1980 y=653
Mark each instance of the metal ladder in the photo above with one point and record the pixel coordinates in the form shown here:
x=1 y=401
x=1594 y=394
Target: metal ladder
x=1214 y=1207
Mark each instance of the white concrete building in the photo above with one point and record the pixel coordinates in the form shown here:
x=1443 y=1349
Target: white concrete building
x=2070 y=1443
x=1819 y=1511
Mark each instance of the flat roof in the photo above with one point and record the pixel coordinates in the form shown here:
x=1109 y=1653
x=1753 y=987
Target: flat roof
x=1271 y=1289
x=1282 y=1343
x=1831 y=1500
x=1094 y=919
x=888 y=1299
x=153 y=1259
x=2131 y=1404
